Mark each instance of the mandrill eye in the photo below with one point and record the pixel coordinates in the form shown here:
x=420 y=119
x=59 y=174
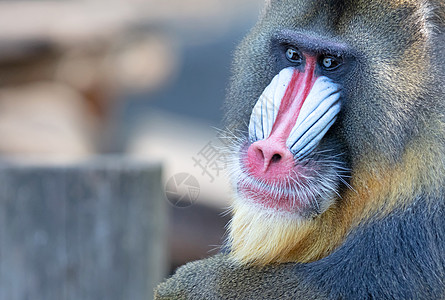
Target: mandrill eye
x=330 y=62
x=293 y=55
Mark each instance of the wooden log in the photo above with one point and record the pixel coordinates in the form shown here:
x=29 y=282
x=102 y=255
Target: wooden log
x=90 y=230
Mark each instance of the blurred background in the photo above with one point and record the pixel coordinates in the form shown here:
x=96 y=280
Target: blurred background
x=142 y=79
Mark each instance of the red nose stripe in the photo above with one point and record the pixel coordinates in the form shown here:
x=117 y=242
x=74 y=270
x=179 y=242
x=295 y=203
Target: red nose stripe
x=271 y=160
x=298 y=89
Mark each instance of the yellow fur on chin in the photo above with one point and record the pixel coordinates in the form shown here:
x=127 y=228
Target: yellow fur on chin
x=257 y=235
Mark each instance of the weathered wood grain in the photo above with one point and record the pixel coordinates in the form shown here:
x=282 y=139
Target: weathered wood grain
x=92 y=230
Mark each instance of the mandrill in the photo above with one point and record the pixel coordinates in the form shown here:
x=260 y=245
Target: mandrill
x=336 y=114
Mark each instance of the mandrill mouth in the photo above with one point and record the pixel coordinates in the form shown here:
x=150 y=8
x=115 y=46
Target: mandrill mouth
x=282 y=167
x=289 y=193
x=307 y=190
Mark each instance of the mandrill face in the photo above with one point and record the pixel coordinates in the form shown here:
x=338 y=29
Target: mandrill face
x=282 y=162
x=288 y=165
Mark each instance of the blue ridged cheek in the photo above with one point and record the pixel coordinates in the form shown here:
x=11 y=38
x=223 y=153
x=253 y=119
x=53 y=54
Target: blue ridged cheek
x=318 y=113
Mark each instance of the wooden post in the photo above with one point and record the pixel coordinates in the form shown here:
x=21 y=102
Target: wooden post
x=91 y=230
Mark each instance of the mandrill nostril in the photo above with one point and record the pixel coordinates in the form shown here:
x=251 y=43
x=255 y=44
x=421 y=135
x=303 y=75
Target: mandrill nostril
x=261 y=154
x=275 y=158
x=269 y=159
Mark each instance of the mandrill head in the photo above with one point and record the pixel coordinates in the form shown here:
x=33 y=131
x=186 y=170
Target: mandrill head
x=328 y=104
